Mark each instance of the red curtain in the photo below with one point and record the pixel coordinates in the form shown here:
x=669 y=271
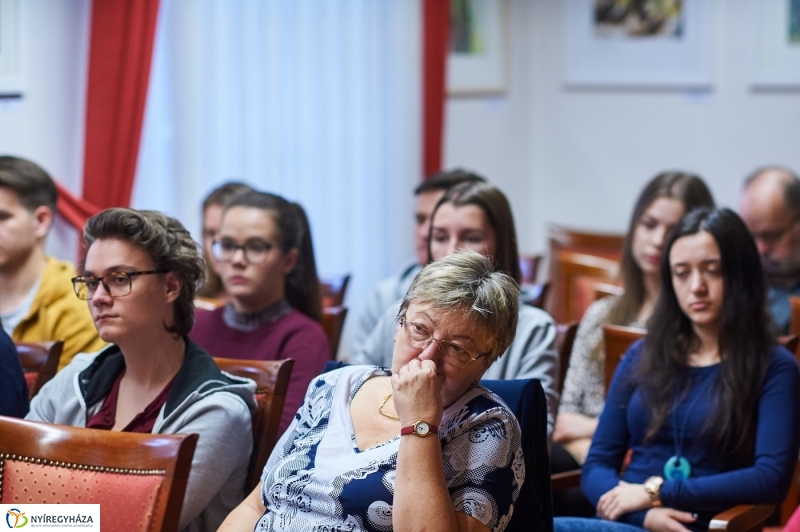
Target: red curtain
x=121 y=48
x=436 y=36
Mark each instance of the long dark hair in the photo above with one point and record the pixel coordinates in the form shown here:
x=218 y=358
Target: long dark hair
x=744 y=337
x=498 y=212
x=302 y=288
x=687 y=188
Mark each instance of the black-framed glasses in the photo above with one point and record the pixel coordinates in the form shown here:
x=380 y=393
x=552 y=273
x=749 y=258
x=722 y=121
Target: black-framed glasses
x=116 y=284
x=418 y=336
x=255 y=251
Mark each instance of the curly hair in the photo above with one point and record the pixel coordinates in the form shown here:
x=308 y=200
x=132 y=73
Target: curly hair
x=166 y=241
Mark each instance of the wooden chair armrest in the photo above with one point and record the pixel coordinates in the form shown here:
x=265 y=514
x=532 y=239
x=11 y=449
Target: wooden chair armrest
x=565 y=480
x=742 y=518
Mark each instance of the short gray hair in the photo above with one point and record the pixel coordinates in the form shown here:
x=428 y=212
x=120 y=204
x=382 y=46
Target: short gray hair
x=465 y=282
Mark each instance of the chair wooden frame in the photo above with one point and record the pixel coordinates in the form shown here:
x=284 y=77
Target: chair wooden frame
x=566 y=268
x=740 y=518
x=118 y=452
x=41 y=358
x=333 y=290
x=333 y=322
x=272 y=380
x=565 y=338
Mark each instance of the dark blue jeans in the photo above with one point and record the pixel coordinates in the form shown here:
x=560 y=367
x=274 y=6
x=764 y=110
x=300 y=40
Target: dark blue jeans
x=582 y=524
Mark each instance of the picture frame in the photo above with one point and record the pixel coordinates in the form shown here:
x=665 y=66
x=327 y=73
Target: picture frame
x=12 y=57
x=674 y=53
x=774 y=44
x=477 y=60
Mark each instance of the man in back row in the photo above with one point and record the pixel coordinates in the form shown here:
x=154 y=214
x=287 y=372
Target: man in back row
x=37 y=302
x=360 y=324
x=770 y=207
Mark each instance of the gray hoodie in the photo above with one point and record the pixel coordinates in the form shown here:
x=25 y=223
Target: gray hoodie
x=203 y=400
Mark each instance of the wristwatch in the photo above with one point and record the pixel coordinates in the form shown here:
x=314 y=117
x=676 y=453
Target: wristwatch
x=420 y=428
x=653 y=488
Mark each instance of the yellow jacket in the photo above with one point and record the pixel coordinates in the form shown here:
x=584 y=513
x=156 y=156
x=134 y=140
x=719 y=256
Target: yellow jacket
x=58 y=314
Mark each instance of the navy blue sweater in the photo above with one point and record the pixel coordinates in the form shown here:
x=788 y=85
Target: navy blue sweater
x=713 y=485
x=13 y=390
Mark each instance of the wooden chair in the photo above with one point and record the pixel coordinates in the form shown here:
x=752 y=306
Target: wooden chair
x=140 y=479
x=207 y=303
x=333 y=290
x=570 y=269
x=579 y=245
x=332 y=322
x=743 y=517
x=39 y=362
x=565 y=338
x=605 y=289
x=529 y=267
x=272 y=382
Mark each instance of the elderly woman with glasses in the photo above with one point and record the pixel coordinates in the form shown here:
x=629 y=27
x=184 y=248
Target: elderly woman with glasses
x=139 y=277
x=420 y=446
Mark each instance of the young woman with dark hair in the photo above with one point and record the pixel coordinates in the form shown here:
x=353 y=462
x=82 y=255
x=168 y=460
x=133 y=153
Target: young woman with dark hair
x=664 y=200
x=265 y=258
x=707 y=403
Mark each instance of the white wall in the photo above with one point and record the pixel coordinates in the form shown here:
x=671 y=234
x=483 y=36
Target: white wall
x=580 y=157
x=46 y=124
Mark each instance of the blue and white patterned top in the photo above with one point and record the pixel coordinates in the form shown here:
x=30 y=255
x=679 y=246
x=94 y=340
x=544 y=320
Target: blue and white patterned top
x=318 y=479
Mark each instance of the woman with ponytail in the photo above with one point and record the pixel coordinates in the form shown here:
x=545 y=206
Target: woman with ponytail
x=266 y=263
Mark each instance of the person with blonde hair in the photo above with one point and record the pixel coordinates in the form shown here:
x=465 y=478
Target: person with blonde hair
x=420 y=446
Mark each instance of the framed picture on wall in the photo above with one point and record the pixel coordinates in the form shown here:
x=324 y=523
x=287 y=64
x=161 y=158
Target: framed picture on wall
x=476 y=62
x=638 y=43
x=11 y=47
x=775 y=43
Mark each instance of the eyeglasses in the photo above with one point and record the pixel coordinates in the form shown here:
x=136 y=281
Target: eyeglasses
x=116 y=284
x=254 y=251
x=419 y=337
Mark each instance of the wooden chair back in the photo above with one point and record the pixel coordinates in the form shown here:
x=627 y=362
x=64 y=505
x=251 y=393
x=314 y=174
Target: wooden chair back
x=605 y=289
x=617 y=339
x=272 y=382
x=141 y=478
x=333 y=322
x=208 y=303
x=568 y=271
x=608 y=245
x=529 y=267
x=565 y=338
x=333 y=290
x=39 y=362
x=564 y=268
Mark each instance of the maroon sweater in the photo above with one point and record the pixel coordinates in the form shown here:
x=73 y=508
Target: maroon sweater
x=294 y=336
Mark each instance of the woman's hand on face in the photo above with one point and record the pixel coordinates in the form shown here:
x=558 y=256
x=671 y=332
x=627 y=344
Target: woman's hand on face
x=667 y=520
x=623 y=499
x=417 y=393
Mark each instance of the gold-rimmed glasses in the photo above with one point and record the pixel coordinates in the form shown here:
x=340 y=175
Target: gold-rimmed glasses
x=418 y=336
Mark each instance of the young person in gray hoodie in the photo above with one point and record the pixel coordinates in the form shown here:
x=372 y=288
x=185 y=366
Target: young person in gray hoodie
x=139 y=276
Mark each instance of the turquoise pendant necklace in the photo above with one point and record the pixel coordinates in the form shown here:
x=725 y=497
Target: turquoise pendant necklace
x=678 y=466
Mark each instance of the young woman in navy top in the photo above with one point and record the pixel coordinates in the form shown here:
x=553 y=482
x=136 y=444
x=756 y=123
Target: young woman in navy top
x=707 y=402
